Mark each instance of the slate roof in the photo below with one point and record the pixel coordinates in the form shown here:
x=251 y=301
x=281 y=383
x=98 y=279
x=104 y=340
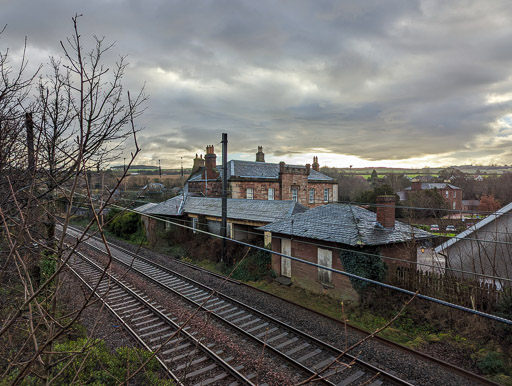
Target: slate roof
x=145 y=207
x=479 y=225
x=344 y=224
x=263 y=211
x=252 y=169
x=434 y=185
x=171 y=207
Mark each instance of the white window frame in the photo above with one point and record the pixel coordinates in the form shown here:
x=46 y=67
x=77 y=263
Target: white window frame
x=295 y=194
x=454 y=194
x=271 y=193
x=194 y=224
x=249 y=194
x=447 y=194
x=326 y=194
x=312 y=196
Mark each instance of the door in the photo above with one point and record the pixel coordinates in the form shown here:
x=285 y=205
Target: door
x=286 y=263
x=325 y=259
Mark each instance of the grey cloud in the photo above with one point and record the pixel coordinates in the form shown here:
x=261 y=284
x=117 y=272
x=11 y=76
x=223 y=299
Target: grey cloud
x=378 y=80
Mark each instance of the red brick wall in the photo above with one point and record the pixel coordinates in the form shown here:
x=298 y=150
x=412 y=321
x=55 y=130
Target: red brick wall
x=199 y=188
x=239 y=189
x=450 y=199
x=289 y=178
x=282 y=189
x=306 y=276
x=319 y=193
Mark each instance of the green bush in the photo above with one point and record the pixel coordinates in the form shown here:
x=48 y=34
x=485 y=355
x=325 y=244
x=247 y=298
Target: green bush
x=94 y=364
x=126 y=225
x=491 y=364
x=255 y=266
x=47 y=266
x=365 y=265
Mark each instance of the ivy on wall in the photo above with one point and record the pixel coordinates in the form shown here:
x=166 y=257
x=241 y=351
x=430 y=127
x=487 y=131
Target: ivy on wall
x=364 y=265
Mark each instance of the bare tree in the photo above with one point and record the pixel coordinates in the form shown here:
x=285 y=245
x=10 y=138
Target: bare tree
x=81 y=118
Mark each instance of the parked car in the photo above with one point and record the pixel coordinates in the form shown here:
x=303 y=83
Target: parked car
x=434 y=228
x=450 y=228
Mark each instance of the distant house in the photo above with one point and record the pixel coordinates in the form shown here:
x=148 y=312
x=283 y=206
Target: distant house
x=483 y=249
x=153 y=187
x=321 y=234
x=259 y=180
x=470 y=205
x=451 y=194
x=243 y=216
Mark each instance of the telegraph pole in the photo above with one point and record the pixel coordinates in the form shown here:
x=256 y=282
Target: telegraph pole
x=223 y=229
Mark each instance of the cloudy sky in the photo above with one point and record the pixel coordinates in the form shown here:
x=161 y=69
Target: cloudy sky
x=363 y=83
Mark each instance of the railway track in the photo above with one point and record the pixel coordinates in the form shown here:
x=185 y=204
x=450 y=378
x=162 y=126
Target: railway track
x=186 y=359
x=305 y=352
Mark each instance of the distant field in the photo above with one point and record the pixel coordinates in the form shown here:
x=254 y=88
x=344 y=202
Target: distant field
x=152 y=177
x=366 y=172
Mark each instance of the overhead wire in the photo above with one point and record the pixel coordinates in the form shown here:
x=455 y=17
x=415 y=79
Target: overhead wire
x=411 y=233
x=344 y=273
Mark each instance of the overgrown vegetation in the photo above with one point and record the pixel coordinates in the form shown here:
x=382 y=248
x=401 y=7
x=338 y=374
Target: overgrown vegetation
x=370 y=266
x=93 y=363
x=126 y=225
x=256 y=266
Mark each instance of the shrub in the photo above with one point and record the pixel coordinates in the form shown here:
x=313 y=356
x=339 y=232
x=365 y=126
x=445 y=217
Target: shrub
x=364 y=265
x=94 y=364
x=491 y=364
x=126 y=225
x=255 y=266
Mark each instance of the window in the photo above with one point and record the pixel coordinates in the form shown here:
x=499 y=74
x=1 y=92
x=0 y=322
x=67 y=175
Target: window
x=326 y=195
x=295 y=194
x=167 y=225
x=454 y=194
x=270 y=194
x=250 y=194
x=454 y=205
x=311 y=196
x=194 y=224
x=446 y=194
x=325 y=260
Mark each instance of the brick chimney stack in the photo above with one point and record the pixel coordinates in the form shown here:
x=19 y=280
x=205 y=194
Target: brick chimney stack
x=416 y=185
x=386 y=211
x=260 y=156
x=198 y=162
x=210 y=160
x=316 y=165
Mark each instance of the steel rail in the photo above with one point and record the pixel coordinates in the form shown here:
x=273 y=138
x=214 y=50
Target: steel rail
x=448 y=366
x=337 y=352
x=234 y=372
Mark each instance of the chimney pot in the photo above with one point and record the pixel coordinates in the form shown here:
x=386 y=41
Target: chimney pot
x=316 y=165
